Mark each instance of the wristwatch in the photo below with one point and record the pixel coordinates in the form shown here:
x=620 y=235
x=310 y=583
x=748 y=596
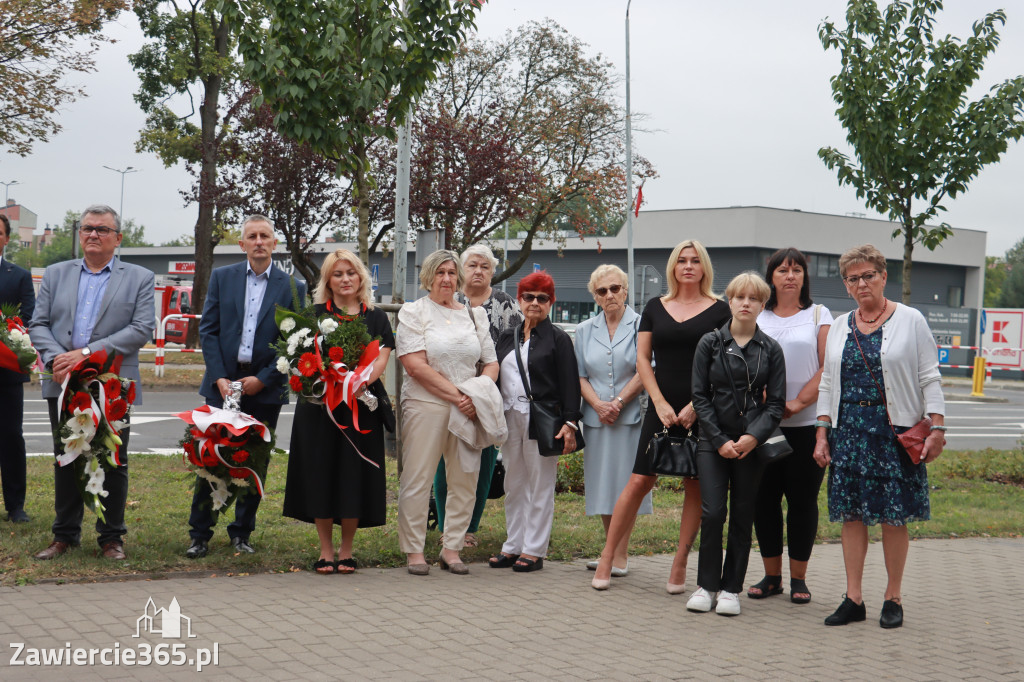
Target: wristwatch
x=621 y=402
x=86 y=352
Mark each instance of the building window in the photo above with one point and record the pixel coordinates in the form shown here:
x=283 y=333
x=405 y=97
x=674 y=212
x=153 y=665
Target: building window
x=825 y=266
x=955 y=297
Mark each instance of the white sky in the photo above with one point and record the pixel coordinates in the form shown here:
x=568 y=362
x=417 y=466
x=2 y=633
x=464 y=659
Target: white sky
x=736 y=93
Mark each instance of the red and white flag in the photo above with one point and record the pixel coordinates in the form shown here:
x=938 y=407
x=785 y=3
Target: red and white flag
x=639 y=200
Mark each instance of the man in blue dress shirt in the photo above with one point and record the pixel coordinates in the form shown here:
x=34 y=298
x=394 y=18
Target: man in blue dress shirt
x=237 y=330
x=85 y=305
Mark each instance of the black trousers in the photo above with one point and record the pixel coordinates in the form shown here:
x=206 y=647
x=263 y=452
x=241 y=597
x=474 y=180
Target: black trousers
x=12 y=445
x=799 y=478
x=725 y=484
x=203 y=518
x=67 y=498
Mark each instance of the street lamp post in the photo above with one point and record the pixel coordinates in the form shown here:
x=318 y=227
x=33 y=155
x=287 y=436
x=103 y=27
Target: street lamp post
x=120 y=212
x=7 y=190
x=629 y=171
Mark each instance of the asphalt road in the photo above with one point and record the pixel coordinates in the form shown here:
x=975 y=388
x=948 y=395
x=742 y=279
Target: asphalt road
x=972 y=425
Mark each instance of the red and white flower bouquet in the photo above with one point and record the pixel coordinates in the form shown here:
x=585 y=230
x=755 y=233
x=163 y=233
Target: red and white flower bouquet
x=94 y=405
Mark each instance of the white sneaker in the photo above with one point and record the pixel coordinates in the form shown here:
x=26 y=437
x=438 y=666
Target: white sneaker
x=701 y=601
x=728 y=604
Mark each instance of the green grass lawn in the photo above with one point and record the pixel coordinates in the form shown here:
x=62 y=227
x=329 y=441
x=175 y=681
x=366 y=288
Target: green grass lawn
x=974 y=494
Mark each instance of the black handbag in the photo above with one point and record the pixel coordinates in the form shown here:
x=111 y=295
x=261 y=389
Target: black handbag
x=497 y=490
x=672 y=455
x=775 y=447
x=545 y=416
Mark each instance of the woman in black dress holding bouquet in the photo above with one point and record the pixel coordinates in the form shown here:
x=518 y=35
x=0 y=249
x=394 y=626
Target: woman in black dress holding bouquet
x=332 y=477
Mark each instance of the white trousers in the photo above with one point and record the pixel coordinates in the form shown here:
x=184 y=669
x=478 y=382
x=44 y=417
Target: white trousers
x=425 y=436
x=529 y=490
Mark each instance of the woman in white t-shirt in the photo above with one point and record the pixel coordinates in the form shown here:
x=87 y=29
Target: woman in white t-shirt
x=800 y=327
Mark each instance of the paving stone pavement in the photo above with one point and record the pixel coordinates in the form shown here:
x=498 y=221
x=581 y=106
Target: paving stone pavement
x=963 y=601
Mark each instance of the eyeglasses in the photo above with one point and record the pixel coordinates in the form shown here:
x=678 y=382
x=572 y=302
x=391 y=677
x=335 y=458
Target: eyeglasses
x=99 y=231
x=603 y=291
x=868 y=277
x=540 y=298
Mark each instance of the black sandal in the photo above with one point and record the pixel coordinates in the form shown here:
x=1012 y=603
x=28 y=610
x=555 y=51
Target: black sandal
x=322 y=564
x=500 y=560
x=348 y=564
x=528 y=565
x=770 y=585
x=798 y=586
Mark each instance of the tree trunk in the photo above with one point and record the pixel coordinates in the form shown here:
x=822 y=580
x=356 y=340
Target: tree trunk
x=362 y=204
x=908 y=253
x=205 y=239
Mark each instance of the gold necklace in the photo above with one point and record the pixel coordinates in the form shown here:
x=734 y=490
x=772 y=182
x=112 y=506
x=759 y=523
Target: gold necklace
x=447 y=318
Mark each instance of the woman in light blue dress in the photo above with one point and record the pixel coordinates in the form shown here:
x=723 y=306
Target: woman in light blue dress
x=606 y=355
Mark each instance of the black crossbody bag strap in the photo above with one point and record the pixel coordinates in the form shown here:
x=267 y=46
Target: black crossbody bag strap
x=522 y=370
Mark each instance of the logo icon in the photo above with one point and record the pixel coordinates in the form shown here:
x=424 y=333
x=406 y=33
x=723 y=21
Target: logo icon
x=998 y=331
x=169 y=619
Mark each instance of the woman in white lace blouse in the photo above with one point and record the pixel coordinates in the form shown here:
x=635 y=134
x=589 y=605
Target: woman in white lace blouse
x=439 y=342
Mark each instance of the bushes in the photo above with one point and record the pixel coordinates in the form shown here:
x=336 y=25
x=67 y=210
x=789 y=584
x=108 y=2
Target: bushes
x=998 y=466
x=570 y=474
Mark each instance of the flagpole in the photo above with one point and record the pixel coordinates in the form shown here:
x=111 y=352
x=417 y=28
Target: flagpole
x=629 y=177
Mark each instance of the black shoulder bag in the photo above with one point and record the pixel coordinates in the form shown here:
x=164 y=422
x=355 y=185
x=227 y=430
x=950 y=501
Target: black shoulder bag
x=545 y=415
x=776 y=446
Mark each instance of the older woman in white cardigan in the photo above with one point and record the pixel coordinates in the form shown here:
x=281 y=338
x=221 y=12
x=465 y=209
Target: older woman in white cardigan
x=880 y=378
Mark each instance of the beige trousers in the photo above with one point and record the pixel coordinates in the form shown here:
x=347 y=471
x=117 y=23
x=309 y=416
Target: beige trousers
x=425 y=439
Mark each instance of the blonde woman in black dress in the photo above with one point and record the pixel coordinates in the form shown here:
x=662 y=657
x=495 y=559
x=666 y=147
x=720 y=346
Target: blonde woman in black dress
x=330 y=482
x=670 y=328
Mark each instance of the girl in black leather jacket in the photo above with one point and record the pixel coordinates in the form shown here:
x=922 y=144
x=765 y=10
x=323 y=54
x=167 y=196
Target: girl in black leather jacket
x=739 y=394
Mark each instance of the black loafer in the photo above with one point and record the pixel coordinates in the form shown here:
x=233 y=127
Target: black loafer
x=18 y=516
x=892 y=614
x=848 y=612
x=197 y=550
x=243 y=546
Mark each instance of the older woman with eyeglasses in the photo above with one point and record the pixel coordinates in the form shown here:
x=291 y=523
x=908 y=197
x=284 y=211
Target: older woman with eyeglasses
x=546 y=354
x=606 y=353
x=880 y=377
x=439 y=343
x=502 y=313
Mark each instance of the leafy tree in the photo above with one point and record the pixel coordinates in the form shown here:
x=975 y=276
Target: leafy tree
x=191 y=48
x=995 y=275
x=1011 y=293
x=325 y=67
x=133 y=234
x=60 y=246
x=42 y=42
x=527 y=130
x=902 y=96
x=264 y=172
x=183 y=240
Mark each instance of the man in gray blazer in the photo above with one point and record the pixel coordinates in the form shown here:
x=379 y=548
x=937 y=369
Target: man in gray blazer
x=85 y=305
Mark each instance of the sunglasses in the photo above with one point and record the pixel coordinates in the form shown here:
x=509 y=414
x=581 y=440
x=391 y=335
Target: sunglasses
x=603 y=291
x=540 y=298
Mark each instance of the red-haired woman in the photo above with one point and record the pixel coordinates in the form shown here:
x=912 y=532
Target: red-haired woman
x=547 y=355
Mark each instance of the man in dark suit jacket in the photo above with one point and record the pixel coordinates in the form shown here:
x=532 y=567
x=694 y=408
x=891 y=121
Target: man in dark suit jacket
x=15 y=288
x=237 y=330
x=85 y=305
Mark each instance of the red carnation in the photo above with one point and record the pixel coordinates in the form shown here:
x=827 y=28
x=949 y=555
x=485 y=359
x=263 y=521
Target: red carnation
x=336 y=354
x=113 y=387
x=295 y=383
x=308 y=364
x=238 y=473
x=240 y=456
x=116 y=410
x=131 y=392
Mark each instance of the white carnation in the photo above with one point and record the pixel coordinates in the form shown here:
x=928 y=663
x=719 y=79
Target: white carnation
x=328 y=325
x=282 y=366
x=287 y=324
